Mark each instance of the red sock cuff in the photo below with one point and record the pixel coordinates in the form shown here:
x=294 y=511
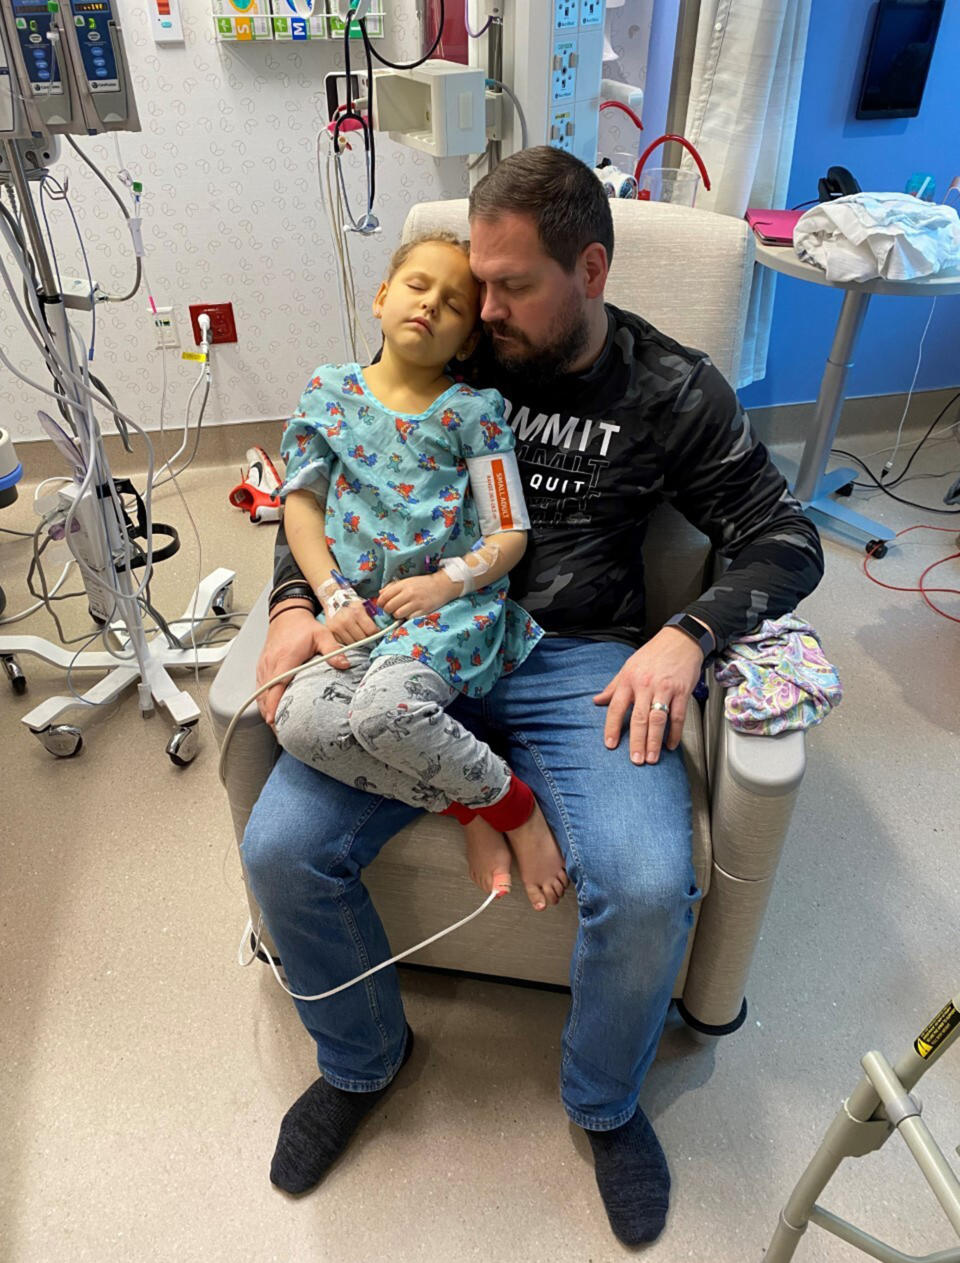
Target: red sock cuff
x=514 y=808
x=463 y=814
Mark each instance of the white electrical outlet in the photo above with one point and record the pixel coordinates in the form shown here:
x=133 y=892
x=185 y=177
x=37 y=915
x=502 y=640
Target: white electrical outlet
x=165 y=325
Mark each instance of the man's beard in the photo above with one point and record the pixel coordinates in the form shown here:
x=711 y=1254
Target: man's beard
x=567 y=339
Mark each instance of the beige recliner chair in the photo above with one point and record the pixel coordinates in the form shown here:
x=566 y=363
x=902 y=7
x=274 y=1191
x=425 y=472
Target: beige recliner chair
x=688 y=272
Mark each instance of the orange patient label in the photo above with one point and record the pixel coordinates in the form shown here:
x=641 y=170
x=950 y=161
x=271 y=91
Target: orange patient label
x=502 y=493
x=495 y=483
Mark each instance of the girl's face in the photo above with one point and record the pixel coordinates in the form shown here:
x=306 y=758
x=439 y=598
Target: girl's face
x=429 y=307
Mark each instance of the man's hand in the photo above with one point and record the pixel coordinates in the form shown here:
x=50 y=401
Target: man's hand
x=666 y=670
x=421 y=594
x=293 y=637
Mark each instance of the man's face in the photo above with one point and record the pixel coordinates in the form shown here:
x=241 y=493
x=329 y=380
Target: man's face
x=534 y=311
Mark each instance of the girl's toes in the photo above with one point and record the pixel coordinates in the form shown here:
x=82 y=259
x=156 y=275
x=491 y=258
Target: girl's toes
x=500 y=881
x=536 y=896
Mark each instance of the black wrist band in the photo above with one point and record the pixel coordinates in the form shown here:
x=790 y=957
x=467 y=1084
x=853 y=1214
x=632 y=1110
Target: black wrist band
x=696 y=631
x=276 y=613
x=289 y=591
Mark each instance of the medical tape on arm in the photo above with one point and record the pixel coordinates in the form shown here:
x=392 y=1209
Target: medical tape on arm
x=477 y=562
x=495 y=483
x=335 y=594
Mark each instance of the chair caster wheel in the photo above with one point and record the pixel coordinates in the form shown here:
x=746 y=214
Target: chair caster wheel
x=222 y=603
x=845 y=490
x=184 y=746
x=876 y=548
x=18 y=681
x=62 y=740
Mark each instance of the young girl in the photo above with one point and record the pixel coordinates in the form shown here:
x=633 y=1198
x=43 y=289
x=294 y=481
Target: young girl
x=380 y=518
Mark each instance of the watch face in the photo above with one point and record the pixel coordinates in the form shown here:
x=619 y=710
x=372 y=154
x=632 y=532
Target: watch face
x=701 y=635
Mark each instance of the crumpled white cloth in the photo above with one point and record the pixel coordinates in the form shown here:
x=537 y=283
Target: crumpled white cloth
x=870 y=235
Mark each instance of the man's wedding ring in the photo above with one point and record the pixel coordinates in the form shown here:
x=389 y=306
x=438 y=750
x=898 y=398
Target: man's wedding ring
x=660 y=706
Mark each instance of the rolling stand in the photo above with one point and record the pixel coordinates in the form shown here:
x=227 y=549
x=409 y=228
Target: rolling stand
x=106 y=531
x=154 y=684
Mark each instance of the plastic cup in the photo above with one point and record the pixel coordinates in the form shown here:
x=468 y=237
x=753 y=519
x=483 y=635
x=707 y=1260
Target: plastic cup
x=669 y=184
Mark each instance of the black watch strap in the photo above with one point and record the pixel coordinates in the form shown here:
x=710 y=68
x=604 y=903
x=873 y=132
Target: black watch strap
x=696 y=631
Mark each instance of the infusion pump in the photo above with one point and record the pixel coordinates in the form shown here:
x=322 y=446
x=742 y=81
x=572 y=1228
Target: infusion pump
x=63 y=68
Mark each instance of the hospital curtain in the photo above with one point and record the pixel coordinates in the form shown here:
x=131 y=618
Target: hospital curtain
x=742 y=117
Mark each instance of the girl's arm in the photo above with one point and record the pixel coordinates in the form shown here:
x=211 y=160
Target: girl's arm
x=491 y=559
x=305 y=524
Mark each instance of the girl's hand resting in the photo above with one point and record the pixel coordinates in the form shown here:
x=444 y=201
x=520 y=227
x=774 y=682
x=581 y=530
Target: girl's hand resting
x=351 y=623
x=421 y=594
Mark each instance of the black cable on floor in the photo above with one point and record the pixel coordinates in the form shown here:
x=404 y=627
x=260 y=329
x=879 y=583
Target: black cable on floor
x=927 y=508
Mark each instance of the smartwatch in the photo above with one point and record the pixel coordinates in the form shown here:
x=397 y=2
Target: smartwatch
x=696 y=631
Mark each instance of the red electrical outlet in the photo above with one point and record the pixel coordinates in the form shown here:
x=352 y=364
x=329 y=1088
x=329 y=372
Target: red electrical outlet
x=223 y=327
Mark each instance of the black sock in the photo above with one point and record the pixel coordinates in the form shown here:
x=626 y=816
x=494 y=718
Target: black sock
x=633 y=1178
x=317 y=1128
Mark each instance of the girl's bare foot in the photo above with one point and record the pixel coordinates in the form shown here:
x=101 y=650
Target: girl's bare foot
x=539 y=860
x=488 y=856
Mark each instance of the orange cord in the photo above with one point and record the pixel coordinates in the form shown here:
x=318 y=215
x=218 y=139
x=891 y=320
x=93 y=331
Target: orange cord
x=892 y=587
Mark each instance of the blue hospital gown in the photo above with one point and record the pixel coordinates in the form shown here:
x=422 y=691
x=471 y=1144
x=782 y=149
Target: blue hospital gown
x=397 y=501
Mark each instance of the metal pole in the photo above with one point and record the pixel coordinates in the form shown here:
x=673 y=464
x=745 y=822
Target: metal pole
x=826 y=417
x=899 y=1106
x=18 y=179
x=495 y=71
x=82 y=413
x=688 y=20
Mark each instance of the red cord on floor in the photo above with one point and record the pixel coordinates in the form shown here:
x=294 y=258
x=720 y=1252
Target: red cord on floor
x=892 y=587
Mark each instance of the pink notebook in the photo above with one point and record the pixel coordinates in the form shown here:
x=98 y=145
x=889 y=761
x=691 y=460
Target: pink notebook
x=774 y=227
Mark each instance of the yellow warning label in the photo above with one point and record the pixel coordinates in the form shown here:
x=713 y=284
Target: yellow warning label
x=193 y=355
x=932 y=1036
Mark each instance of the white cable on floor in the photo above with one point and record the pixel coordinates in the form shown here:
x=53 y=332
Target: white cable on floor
x=494 y=894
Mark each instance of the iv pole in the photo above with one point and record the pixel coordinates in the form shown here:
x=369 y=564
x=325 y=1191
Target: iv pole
x=149 y=660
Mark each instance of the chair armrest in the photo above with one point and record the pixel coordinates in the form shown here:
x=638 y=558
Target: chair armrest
x=253 y=749
x=753 y=788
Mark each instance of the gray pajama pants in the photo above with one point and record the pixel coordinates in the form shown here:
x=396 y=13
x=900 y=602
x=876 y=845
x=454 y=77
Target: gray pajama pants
x=382 y=727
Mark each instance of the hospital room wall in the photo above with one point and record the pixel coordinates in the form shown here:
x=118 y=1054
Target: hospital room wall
x=227 y=157
x=882 y=154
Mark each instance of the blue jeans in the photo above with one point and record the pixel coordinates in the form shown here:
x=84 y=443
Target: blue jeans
x=625 y=834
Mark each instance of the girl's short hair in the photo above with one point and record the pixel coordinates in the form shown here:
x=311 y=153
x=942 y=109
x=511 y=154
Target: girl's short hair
x=443 y=235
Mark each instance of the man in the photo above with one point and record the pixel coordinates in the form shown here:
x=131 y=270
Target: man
x=610 y=418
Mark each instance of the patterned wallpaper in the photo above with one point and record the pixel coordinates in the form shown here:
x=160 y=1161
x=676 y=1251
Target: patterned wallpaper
x=227 y=157
x=628 y=34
